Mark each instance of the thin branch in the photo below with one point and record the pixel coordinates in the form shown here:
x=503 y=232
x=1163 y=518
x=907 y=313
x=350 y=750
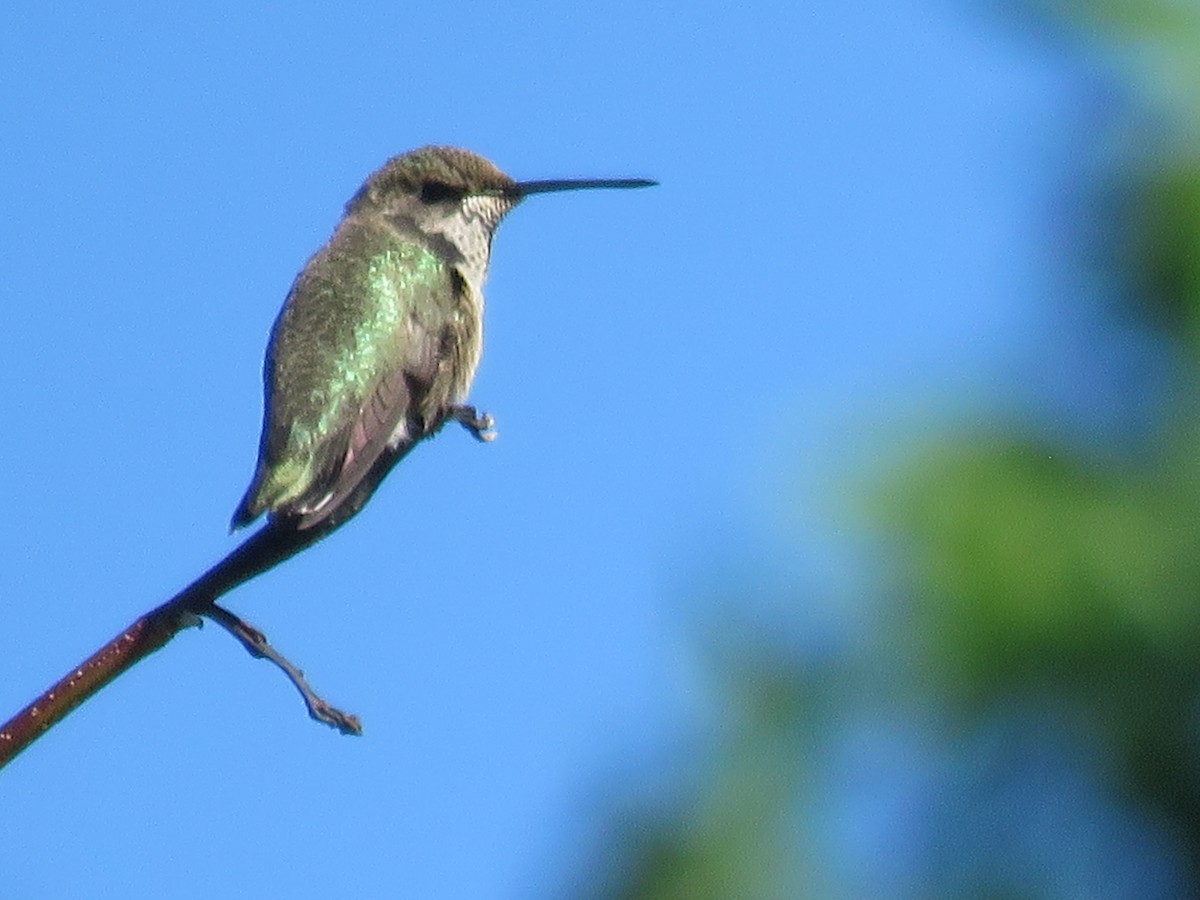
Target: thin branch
x=263 y=550
x=256 y=644
x=278 y=540
x=149 y=633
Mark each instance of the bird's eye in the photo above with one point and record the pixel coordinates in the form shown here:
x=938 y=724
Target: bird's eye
x=438 y=192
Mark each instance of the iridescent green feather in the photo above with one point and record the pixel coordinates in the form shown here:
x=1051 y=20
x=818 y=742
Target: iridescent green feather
x=366 y=306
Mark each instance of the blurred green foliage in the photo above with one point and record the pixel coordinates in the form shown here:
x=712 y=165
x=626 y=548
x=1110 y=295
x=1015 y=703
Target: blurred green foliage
x=1157 y=249
x=1033 y=572
x=1033 y=567
x=1026 y=571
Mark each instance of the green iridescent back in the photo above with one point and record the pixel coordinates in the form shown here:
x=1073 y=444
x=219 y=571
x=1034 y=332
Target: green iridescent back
x=371 y=318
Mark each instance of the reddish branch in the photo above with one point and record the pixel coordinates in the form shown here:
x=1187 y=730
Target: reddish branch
x=260 y=552
x=278 y=540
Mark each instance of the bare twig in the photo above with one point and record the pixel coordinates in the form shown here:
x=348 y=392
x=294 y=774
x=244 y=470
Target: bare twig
x=263 y=550
x=278 y=540
x=149 y=633
x=256 y=644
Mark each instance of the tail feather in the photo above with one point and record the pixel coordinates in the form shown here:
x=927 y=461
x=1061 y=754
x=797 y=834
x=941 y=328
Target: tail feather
x=266 y=548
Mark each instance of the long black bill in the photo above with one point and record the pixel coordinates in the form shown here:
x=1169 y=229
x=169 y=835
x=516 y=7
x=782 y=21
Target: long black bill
x=545 y=186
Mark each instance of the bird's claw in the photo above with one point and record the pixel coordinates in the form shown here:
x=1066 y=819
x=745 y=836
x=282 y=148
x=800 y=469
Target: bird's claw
x=481 y=425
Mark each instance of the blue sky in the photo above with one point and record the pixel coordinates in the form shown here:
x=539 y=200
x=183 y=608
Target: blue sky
x=855 y=204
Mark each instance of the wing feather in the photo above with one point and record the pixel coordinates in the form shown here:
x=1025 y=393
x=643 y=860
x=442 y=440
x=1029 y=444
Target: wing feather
x=390 y=419
x=361 y=362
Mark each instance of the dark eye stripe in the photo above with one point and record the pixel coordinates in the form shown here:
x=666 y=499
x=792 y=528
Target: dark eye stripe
x=438 y=192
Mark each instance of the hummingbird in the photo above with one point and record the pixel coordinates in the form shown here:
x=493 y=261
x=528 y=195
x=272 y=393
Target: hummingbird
x=375 y=350
x=380 y=337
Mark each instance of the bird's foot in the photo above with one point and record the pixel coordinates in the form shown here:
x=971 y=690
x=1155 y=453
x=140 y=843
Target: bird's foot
x=482 y=425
